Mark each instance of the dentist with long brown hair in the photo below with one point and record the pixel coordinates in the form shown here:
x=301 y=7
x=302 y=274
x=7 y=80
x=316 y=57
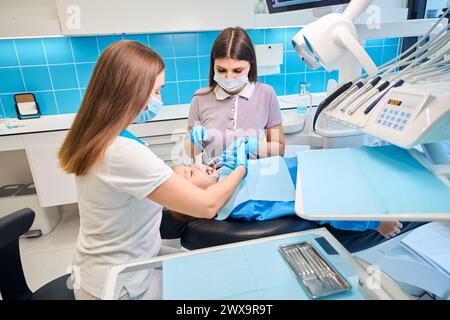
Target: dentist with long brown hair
x=122 y=185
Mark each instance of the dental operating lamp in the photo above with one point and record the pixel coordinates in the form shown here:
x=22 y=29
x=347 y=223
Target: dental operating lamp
x=332 y=38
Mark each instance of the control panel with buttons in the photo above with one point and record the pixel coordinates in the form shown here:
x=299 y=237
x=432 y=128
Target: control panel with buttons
x=399 y=110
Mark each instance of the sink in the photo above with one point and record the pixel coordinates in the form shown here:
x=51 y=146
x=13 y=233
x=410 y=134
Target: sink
x=293 y=101
x=293 y=121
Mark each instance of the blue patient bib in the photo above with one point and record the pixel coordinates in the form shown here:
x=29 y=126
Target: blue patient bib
x=267 y=192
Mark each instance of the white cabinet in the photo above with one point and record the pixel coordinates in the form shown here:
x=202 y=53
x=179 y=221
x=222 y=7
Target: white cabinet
x=84 y=17
x=169 y=148
x=54 y=186
x=24 y=18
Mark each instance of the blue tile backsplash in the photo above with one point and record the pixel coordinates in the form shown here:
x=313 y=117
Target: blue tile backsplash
x=57 y=70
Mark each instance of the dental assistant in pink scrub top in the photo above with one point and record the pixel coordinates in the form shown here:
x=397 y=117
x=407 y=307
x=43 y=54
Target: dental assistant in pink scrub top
x=235 y=105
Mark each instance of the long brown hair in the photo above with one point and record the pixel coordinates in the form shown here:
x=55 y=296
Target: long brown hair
x=120 y=86
x=233 y=43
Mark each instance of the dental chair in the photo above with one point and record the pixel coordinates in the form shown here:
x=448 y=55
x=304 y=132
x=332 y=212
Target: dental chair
x=198 y=233
x=201 y=233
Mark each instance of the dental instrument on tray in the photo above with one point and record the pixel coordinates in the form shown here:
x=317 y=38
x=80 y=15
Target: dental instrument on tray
x=316 y=275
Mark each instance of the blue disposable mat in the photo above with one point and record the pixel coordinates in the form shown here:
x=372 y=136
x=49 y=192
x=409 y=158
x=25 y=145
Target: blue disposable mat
x=268 y=179
x=256 y=271
x=367 y=180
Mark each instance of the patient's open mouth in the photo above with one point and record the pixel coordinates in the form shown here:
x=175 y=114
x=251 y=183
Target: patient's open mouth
x=211 y=171
x=207 y=170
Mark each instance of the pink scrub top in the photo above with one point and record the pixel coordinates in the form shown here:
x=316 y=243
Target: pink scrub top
x=227 y=117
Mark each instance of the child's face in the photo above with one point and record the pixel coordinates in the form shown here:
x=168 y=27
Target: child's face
x=231 y=68
x=198 y=174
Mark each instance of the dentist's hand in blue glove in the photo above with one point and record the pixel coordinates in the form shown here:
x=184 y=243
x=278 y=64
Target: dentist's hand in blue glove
x=241 y=157
x=198 y=135
x=251 y=146
x=237 y=153
x=238 y=158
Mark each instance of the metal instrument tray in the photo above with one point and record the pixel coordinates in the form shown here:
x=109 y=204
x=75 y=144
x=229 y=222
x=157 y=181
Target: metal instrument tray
x=317 y=276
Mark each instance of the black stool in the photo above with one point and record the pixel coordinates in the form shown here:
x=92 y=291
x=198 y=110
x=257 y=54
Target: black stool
x=13 y=285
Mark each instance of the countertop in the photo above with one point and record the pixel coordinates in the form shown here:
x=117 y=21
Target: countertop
x=168 y=113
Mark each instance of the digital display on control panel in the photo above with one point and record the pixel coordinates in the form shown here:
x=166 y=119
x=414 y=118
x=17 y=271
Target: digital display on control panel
x=394 y=102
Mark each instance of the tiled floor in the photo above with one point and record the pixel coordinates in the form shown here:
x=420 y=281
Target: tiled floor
x=49 y=256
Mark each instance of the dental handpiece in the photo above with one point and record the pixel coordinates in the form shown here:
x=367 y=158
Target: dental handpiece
x=347 y=94
x=398 y=83
x=362 y=91
x=372 y=95
x=374 y=103
x=328 y=100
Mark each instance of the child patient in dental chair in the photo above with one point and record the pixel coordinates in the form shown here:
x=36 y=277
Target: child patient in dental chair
x=261 y=197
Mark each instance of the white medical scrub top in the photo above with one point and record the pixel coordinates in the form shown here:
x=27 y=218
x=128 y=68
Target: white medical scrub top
x=118 y=224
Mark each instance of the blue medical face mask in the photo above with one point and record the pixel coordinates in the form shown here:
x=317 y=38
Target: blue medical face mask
x=233 y=84
x=153 y=108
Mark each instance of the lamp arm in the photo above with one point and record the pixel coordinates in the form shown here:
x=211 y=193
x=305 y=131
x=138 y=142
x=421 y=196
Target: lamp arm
x=355 y=8
x=349 y=41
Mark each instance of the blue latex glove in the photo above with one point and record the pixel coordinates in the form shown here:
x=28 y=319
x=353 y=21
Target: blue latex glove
x=253 y=145
x=198 y=135
x=236 y=154
x=240 y=159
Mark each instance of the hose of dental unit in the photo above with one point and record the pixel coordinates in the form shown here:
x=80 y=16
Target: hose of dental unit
x=367 y=86
x=397 y=80
x=352 y=95
x=358 y=83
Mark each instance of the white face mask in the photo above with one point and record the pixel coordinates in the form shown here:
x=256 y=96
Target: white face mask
x=233 y=84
